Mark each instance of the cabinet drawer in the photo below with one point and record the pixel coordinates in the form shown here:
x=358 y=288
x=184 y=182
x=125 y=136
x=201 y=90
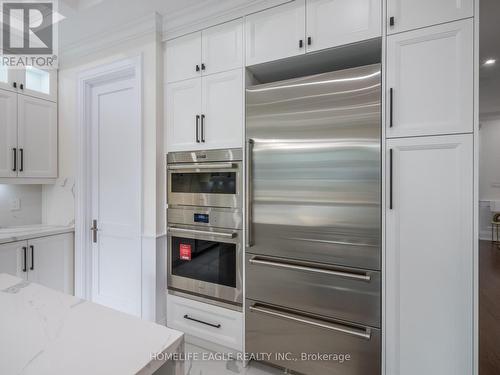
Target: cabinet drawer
x=211 y=323
x=271 y=330
x=337 y=292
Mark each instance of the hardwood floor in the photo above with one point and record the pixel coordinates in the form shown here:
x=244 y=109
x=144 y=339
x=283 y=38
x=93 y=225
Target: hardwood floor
x=489 y=309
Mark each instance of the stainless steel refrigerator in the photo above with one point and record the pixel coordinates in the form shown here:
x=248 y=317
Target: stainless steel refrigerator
x=313 y=253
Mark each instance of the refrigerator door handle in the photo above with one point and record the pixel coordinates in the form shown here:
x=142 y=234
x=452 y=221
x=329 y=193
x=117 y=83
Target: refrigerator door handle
x=248 y=198
x=360 y=333
x=308 y=268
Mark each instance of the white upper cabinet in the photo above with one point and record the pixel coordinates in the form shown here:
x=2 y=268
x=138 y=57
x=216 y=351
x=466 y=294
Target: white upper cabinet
x=275 y=33
x=183 y=57
x=430 y=81
x=222 y=110
x=403 y=15
x=38 y=82
x=332 y=23
x=182 y=113
x=222 y=47
x=429 y=256
x=37 y=137
x=8 y=78
x=8 y=134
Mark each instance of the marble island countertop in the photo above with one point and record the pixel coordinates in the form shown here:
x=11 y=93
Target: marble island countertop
x=21 y=233
x=45 y=332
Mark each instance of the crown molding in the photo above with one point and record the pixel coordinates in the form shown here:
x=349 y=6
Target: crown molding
x=210 y=13
x=147 y=25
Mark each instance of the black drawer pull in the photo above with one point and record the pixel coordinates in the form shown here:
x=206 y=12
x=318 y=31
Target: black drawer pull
x=21 y=151
x=202 y=322
x=14 y=154
x=25 y=260
x=32 y=257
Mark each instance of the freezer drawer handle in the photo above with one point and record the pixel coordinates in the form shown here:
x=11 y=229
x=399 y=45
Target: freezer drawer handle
x=204 y=232
x=348 y=275
x=361 y=333
x=203 y=166
x=202 y=322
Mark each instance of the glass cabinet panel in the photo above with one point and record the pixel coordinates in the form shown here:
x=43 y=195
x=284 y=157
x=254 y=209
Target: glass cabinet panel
x=37 y=80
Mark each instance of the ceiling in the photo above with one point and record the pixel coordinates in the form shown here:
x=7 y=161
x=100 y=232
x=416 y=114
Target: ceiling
x=489 y=47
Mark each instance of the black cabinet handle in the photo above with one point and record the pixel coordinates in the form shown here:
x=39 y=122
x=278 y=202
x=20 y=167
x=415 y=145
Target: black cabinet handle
x=21 y=86
x=391 y=21
x=390 y=179
x=391 y=103
x=14 y=154
x=309 y=40
x=203 y=128
x=301 y=43
x=202 y=322
x=21 y=152
x=14 y=84
x=32 y=248
x=197 y=68
x=197 y=128
x=25 y=261
x=202 y=66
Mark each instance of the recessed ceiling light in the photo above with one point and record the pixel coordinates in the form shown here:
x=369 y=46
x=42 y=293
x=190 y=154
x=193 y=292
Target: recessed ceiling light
x=490 y=62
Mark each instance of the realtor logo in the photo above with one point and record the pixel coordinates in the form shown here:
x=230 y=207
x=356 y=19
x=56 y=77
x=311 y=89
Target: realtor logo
x=28 y=33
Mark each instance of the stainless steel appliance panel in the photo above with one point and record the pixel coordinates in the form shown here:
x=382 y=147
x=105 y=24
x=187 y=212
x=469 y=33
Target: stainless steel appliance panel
x=314 y=158
x=206 y=217
x=274 y=330
x=336 y=292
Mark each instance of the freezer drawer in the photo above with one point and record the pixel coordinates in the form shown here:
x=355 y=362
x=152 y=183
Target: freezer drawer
x=337 y=292
x=278 y=332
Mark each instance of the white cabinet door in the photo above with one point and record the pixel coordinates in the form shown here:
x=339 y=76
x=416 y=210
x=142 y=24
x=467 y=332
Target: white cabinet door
x=38 y=83
x=183 y=57
x=430 y=73
x=429 y=256
x=50 y=262
x=222 y=47
x=411 y=14
x=333 y=23
x=222 y=98
x=12 y=259
x=37 y=137
x=9 y=78
x=183 y=111
x=275 y=33
x=8 y=134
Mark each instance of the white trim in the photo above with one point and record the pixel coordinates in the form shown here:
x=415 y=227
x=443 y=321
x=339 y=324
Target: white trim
x=211 y=13
x=137 y=28
x=126 y=68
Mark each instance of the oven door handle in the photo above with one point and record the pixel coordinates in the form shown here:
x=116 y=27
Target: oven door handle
x=203 y=166
x=203 y=232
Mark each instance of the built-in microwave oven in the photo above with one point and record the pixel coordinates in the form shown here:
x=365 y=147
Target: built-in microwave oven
x=211 y=178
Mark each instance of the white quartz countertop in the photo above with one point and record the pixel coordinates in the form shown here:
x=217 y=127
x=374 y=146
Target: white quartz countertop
x=12 y=234
x=45 y=332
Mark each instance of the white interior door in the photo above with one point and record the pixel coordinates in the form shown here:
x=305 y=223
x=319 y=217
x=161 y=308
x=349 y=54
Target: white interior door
x=429 y=256
x=116 y=195
x=8 y=134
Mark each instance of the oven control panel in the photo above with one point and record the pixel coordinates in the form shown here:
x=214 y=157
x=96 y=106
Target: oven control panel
x=201 y=218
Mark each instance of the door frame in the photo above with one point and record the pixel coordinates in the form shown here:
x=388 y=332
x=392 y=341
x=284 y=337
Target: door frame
x=124 y=69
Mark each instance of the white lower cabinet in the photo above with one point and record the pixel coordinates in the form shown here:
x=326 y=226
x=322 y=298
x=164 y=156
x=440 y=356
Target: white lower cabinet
x=208 y=322
x=48 y=261
x=429 y=256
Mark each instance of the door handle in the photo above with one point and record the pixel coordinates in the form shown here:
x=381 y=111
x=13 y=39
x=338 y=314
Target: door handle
x=203 y=128
x=186 y=316
x=248 y=198
x=197 y=128
x=25 y=261
x=360 y=333
x=32 y=248
x=94 y=230
x=309 y=268
x=391 y=101
x=14 y=154
x=21 y=156
x=390 y=178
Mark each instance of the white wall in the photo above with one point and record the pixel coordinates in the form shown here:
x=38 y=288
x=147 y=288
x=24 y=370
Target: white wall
x=30 y=211
x=489 y=172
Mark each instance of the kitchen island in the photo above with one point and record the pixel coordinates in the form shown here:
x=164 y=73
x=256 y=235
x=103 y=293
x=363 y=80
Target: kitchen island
x=45 y=332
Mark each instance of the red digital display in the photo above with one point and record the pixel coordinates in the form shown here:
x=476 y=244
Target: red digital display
x=185 y=251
